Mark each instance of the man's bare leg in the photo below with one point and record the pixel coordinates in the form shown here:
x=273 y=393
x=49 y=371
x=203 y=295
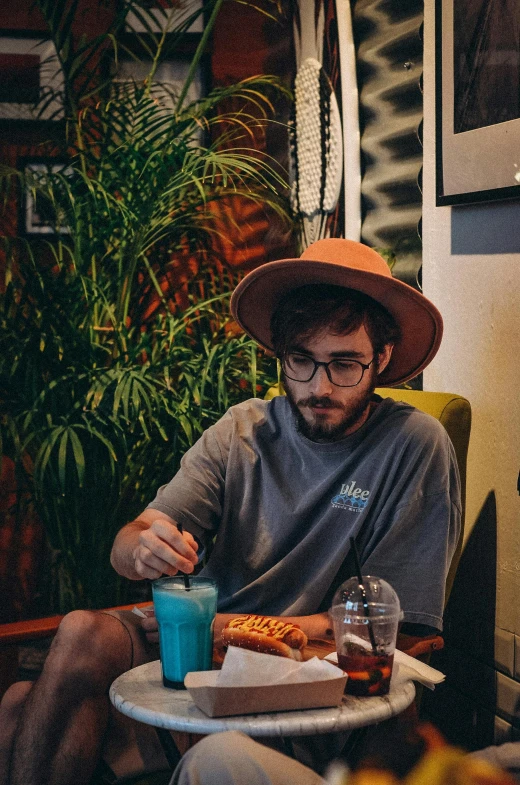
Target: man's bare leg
x=10 y=710
x=62 y=724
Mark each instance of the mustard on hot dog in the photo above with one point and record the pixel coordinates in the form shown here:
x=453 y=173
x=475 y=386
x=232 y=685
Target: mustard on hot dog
x=265 y=634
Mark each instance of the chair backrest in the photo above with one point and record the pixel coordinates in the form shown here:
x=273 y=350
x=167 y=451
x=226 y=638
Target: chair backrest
x=454 y=413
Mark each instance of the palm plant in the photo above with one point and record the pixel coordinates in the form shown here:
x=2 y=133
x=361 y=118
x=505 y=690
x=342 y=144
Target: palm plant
x=106 y=375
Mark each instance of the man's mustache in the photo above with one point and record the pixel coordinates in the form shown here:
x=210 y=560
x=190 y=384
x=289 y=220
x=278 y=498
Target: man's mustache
x=313 y=400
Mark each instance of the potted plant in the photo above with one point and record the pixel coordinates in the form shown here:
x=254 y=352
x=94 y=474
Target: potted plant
x=107 y=373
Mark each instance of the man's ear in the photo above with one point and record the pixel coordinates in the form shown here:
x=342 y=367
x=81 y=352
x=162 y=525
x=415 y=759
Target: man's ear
x=384 y=357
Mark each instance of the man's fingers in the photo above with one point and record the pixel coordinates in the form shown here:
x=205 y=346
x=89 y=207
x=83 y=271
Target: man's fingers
x=150 y=624
x=156 y=546
x=188 y=536
x=144 y=571
x=150 y=566
x=184 y=543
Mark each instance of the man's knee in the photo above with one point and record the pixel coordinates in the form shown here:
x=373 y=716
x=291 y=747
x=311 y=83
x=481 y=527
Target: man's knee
x=92 y=643
x=13 y=702
x=213 y=760
x=229 y=744
x=232 y=758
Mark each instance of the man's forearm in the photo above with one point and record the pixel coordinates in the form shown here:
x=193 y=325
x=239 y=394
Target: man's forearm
x=125 y=543
x=316 y=627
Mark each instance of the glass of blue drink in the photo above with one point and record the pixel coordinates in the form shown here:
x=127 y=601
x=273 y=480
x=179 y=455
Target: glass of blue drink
x=185 y=617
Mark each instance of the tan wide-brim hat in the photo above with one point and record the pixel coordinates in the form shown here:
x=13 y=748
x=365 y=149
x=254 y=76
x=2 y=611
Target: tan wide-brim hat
x=355 y=266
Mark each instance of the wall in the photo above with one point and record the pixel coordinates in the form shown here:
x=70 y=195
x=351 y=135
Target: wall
x=471 y=270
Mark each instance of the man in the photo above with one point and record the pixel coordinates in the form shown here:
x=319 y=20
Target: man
x=283 y=485
x=406 y=753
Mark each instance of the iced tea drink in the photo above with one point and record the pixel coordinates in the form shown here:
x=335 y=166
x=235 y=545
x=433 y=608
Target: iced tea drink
x=368 y=673
x=365 y=621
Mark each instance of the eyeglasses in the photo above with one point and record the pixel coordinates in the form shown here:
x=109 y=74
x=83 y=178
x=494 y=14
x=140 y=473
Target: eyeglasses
x=341 y=373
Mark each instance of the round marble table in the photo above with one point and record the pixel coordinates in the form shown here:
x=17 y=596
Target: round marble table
x=140 y=694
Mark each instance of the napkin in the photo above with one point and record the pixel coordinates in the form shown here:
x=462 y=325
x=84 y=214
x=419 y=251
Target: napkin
x=148 y=611
x=407 y=668
x=410 y=668
x=245 y=668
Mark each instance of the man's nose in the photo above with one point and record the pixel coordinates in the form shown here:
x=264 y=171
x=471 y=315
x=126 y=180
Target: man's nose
x=320 y=383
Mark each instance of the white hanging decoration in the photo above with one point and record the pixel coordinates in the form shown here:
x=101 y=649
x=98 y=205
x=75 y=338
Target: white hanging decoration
x=316 y=137
x=318 y=146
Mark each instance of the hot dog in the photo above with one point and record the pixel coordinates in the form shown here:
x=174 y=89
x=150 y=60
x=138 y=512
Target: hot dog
x=265 y=634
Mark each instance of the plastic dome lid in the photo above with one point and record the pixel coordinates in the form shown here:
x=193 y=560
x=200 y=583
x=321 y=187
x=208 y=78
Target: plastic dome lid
x=351 y=599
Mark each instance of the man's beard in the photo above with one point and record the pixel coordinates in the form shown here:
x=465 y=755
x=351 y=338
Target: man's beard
x=329 y=432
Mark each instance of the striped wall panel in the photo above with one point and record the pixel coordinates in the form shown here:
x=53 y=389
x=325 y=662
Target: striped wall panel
x=389 y=49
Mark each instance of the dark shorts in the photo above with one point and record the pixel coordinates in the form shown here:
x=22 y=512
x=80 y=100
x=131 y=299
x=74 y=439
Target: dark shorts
x=139 y=649
x=131 y=748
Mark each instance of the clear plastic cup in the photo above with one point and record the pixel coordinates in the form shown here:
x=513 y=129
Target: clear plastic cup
x=366 y=643
x=185 y=618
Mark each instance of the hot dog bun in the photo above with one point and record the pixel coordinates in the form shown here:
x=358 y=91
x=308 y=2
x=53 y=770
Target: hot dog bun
x=265 y=634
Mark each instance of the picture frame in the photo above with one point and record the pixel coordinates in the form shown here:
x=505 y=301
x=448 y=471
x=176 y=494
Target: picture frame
x=176 y=14
x=31 y=80
x=138 y=40
x=477 y=111
x=35 y=220
x=169 y=78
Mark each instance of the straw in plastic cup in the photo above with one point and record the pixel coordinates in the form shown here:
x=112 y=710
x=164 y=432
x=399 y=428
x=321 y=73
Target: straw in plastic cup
x=363 y=594
x=365 y=643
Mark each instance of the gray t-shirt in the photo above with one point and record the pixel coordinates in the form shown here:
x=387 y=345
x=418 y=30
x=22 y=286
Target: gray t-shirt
x=285 y=507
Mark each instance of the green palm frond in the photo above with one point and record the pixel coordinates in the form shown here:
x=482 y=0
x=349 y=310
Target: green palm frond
x=97 y=402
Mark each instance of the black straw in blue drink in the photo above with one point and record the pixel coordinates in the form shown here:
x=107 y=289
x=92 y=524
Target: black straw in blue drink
x=363 y=593
x=187 y=584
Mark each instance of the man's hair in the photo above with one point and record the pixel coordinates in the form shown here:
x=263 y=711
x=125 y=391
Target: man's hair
x=308 y=310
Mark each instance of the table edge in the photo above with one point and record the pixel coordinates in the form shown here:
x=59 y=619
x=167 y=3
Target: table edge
x=264 y=725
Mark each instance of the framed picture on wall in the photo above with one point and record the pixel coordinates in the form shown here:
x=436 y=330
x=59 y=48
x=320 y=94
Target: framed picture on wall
x=168 y=81
x=38 y=216
x=160 y=14
x=31 y=80
x=142 y=32
x=477 y=100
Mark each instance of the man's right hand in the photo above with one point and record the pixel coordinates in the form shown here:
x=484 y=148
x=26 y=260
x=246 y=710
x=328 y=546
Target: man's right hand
x=163 y=550
x=152 y=546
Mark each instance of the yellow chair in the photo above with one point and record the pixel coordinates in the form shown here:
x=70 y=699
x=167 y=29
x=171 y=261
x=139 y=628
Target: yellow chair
x=454 y=413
